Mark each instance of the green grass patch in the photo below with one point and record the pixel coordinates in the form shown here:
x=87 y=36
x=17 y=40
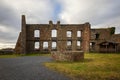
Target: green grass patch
x=20 y=55
x=8 y=56
x=37 y=54
x=93 y=67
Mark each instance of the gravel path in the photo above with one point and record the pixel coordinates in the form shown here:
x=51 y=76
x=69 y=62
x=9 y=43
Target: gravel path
x=28 y=68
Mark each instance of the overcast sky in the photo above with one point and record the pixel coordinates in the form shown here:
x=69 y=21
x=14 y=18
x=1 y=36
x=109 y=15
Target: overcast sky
x=99 y=13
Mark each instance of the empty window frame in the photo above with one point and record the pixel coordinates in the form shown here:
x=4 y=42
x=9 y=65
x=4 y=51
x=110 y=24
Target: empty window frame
x=90 y=43
x=97 y=36
x=78 y=43
x=37 y=33
x=54 y=33
x=54 y=45
x=69 y=33
x=45 y=45
x=69 y=45
x=37 y=45
x=78 y=33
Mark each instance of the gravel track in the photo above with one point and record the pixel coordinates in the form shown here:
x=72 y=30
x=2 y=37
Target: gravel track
x=28 y=68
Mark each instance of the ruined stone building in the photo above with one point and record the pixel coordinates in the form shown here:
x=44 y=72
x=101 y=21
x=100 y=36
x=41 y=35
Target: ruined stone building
x=53 y=37
x=66 y=37
x=104 y=40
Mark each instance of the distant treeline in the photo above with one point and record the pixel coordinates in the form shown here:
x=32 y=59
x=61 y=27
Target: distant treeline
x=6 y=51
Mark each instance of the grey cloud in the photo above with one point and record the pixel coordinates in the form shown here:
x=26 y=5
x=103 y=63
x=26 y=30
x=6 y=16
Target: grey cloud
x=8 y=37
x=9 y=20
x=39 y=11
x=95 y=11
x=109 y=10
x=8 y=16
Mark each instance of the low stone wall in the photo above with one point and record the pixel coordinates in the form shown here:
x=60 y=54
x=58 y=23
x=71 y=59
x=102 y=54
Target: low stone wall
x=67 y=55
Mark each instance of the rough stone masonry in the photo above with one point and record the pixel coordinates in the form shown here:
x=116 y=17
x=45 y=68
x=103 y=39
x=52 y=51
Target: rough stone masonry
x=52 y=37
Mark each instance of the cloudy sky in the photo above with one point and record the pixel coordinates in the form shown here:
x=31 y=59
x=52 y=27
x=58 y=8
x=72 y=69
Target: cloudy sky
x=100 y=14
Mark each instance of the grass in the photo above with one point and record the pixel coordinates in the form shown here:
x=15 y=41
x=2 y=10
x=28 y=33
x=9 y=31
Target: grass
x=93 y=67
x=37 y=54
x=8 y=56
x=20 y=55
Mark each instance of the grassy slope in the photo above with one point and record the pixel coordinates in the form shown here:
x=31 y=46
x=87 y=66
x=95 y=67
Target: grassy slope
x=94 y=67
x=20 y=55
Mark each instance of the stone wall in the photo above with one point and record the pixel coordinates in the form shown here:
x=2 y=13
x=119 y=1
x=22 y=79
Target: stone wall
x=28 y=39
x=98 y=36
x=18 y=46
x=67 y=55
